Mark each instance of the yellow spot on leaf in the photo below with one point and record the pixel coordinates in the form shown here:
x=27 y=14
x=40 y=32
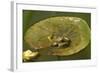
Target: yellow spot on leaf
x=27 y=55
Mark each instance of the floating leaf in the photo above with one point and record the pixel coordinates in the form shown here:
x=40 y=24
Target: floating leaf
x=62 y=36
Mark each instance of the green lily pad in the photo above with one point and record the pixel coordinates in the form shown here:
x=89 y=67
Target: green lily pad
x=61 y=36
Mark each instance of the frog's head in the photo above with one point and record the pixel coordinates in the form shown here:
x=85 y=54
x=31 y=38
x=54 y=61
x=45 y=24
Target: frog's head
x=59 y=41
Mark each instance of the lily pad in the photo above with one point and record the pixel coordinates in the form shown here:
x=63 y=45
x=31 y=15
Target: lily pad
x=61 y=36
